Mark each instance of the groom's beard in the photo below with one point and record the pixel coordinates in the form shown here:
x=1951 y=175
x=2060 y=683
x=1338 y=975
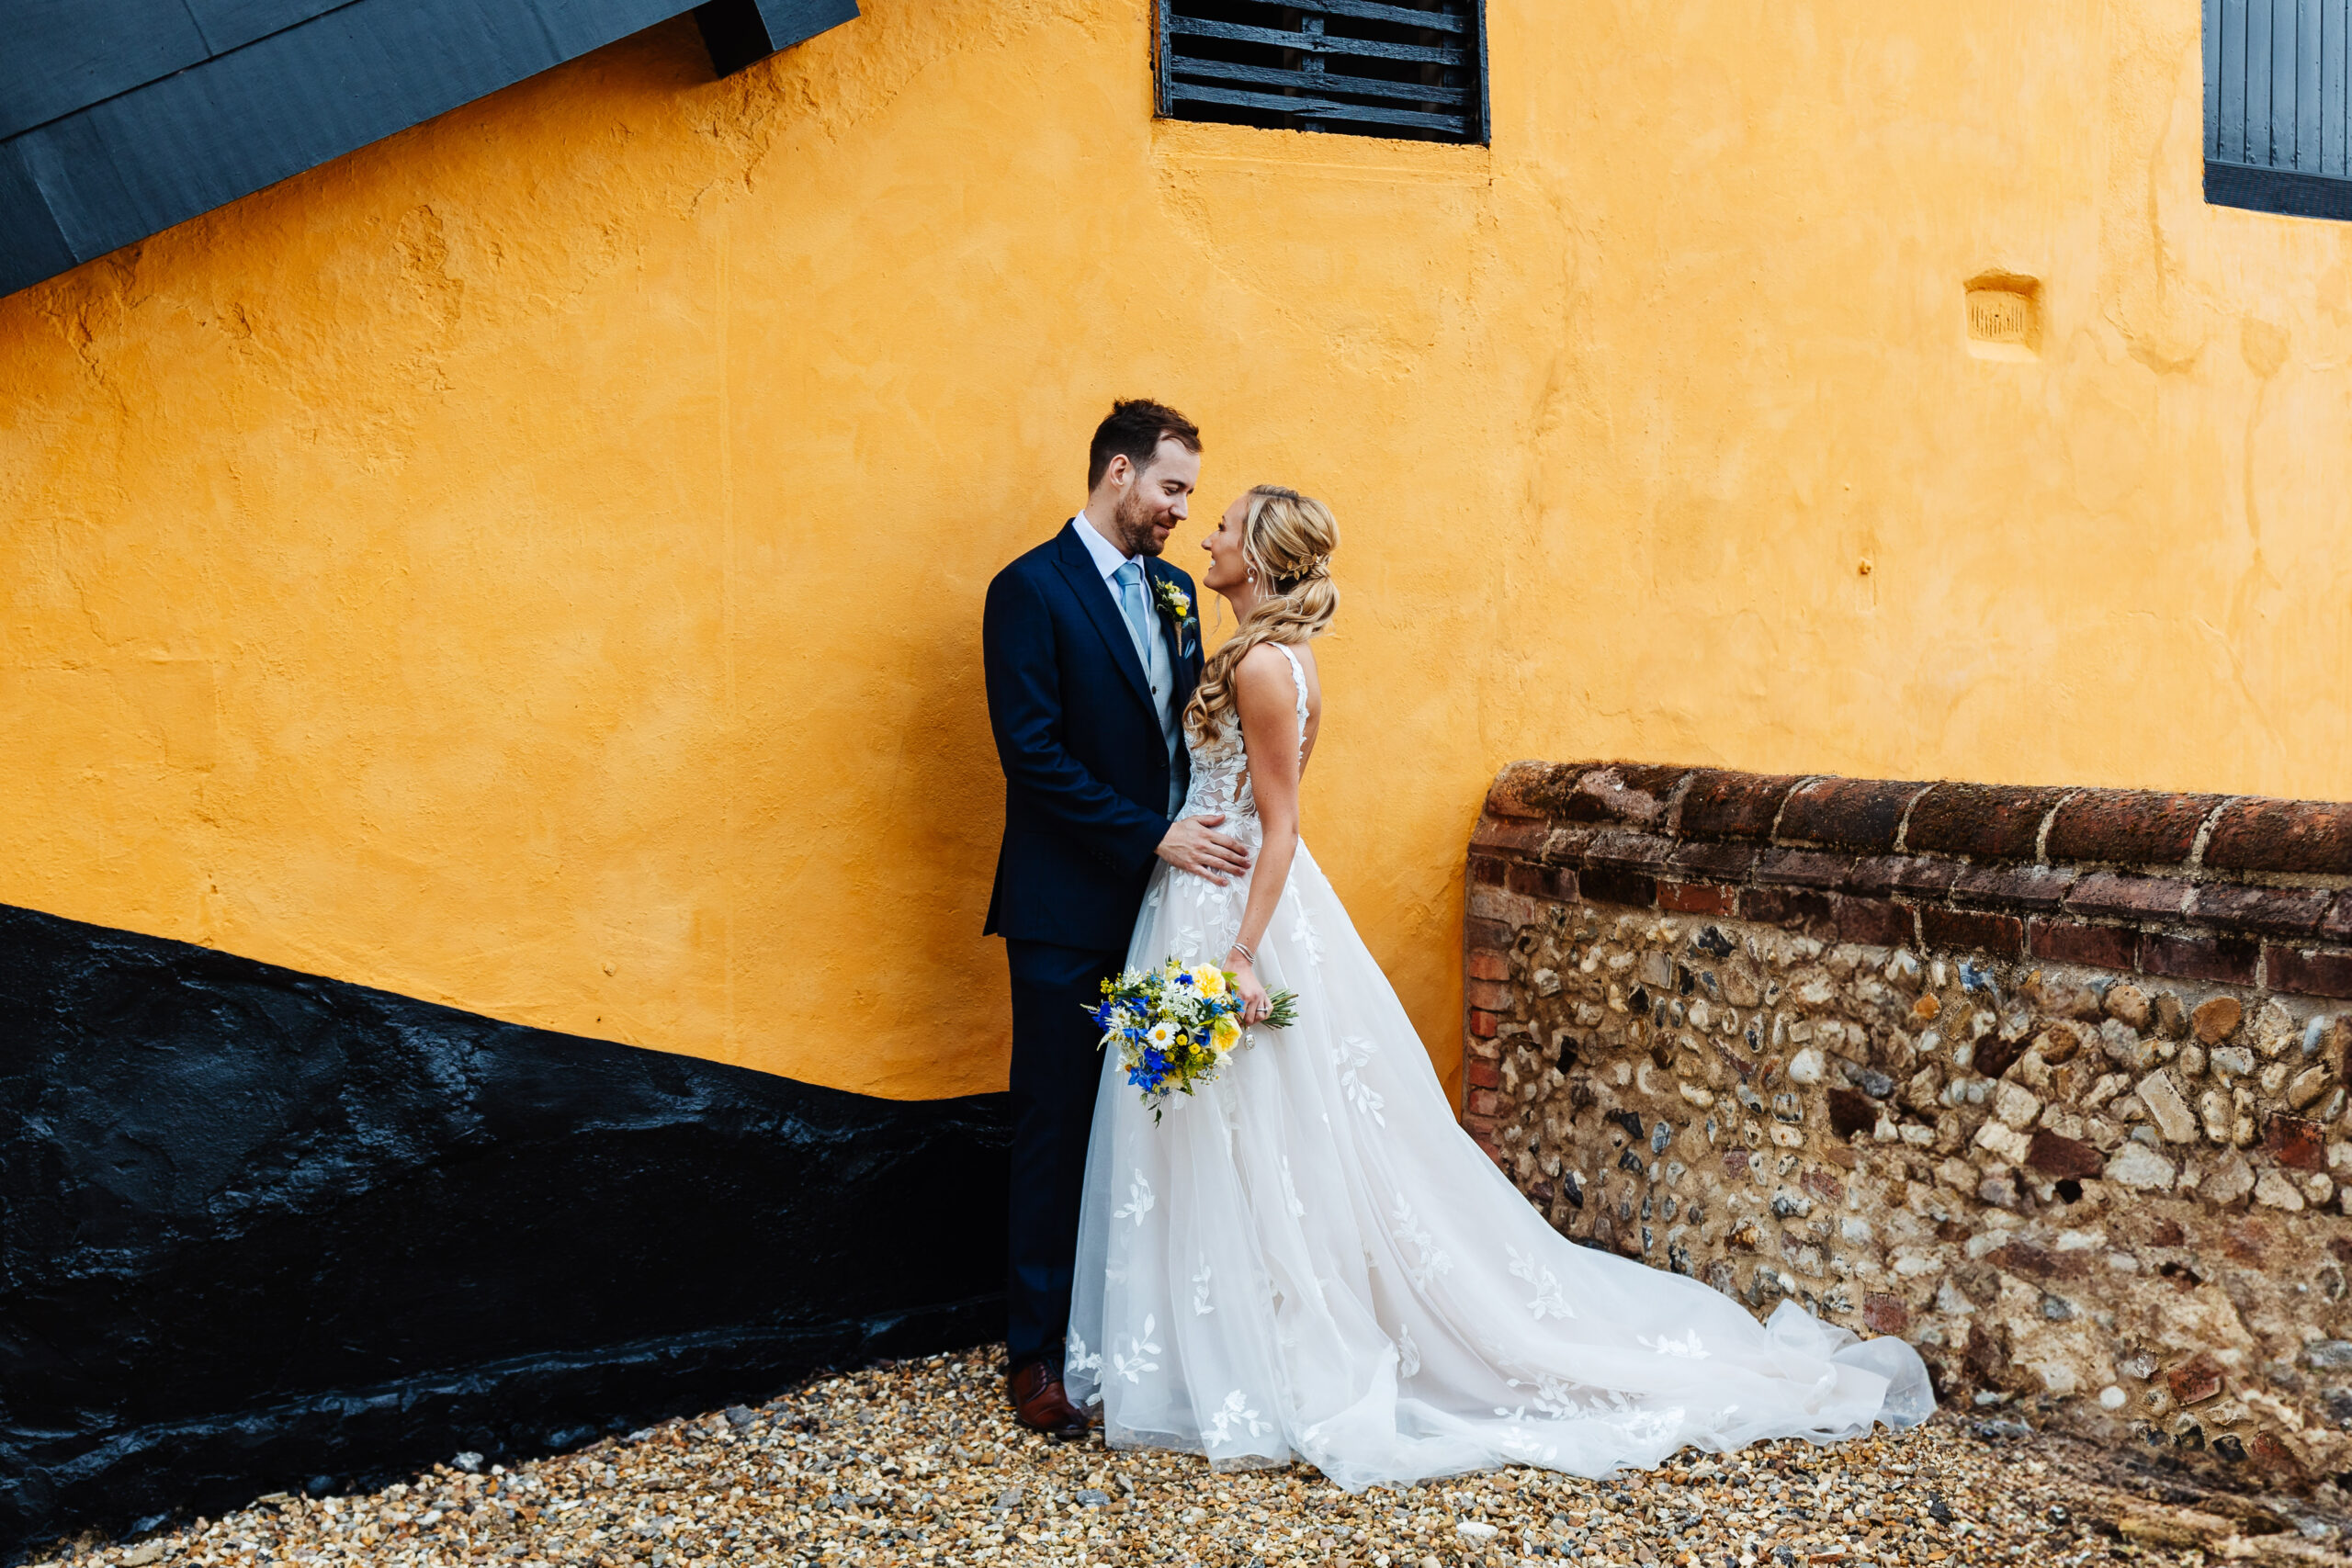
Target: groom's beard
x=1132 y=520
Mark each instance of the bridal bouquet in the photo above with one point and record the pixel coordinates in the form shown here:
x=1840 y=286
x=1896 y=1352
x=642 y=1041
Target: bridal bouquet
x=1174 y=1026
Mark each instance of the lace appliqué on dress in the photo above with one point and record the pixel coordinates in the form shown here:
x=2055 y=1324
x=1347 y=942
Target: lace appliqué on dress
x=1303 y=931
x=1233 y=1420
x=1131 y=1365
x=1349 y=1056
x=1554 y=1397
x=1431 y=1260
x=1548 y=1300
x=1520 y=1440
x=1140 y=1200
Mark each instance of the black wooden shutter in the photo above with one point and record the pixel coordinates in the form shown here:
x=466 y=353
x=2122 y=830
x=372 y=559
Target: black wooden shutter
x=1396 y=68
x=2275 y=118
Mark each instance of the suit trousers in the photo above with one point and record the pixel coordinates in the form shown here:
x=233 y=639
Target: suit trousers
x=1055 y=1067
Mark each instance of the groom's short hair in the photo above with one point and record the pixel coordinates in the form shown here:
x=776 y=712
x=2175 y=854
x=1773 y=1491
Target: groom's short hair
x=1134 y=431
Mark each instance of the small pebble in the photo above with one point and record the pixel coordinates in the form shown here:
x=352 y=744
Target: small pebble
x=919 y=1464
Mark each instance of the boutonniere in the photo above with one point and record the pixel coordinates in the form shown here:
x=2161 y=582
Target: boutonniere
x=1173 y=600
x=1177 y=605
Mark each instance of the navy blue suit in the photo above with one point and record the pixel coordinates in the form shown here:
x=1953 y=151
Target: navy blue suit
x=1087 y=776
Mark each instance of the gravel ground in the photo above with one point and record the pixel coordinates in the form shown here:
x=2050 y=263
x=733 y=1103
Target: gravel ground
x=918 y=1463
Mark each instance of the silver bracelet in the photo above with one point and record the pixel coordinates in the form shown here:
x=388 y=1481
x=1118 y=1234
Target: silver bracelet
x=1247 y=956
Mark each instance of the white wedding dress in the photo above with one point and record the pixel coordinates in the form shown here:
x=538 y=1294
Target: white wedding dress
x=1307 y=1258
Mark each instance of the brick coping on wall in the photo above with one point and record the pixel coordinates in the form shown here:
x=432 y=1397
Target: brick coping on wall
x=2238 y=890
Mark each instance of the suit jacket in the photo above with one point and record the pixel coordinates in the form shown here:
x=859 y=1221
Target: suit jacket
x=1086 y=769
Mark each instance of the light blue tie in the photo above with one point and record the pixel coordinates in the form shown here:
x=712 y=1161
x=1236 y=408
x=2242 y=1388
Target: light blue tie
x=1136 y=608
x=1158 y=673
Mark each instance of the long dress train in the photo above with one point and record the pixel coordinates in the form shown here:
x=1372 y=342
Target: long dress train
x=1309 y=1258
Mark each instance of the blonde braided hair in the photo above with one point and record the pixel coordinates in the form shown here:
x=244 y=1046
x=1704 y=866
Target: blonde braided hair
x=1289 y=538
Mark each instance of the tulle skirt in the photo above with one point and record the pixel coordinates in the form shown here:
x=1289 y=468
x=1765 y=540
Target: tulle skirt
x=1307 y=1258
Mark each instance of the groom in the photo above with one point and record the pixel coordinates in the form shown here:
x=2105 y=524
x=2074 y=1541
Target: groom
x=1089 y=664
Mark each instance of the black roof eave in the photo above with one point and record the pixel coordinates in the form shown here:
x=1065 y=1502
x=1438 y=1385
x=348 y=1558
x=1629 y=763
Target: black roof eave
x=131 y=162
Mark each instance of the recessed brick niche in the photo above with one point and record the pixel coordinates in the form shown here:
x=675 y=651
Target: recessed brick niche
x=2049 y=1082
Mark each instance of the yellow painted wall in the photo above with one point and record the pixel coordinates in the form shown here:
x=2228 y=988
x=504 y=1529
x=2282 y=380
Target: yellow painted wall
x=535 y=562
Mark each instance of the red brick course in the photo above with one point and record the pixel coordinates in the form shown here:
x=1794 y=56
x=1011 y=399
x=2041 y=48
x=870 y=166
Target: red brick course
x=1615 y=850
x=1492 y=936
x=2226 y=960
x=2070 y=942
x=2292 y=836
x=1732 y=806
x=2041 y=887
x=1880 y=922
x=1491 y=994
x=1884 y=875
x=1802 y=868
x=1982 y=821
x=2119 y=895
x=2128 y=827
x=1555 y=883
x=1713 y=862
x=2307 y=971
x=2110 y=879
x=1630 y=793
x=1620 y=887
x=1793 y=909
x=2337 y=925
x=2273 y=911
x=1862 y=814
x=1696 y=898
x=1511 y=835
x=2002 y=935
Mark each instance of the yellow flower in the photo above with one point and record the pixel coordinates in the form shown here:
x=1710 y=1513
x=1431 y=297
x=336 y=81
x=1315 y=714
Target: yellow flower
x=1225 y=1034
x=1209 y=979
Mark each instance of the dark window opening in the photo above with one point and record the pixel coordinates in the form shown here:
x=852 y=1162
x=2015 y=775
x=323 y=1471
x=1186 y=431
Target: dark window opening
x=2278 y=114
x=1414 y=69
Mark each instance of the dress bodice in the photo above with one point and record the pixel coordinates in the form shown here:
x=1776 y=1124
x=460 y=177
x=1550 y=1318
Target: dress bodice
x=1221 y=766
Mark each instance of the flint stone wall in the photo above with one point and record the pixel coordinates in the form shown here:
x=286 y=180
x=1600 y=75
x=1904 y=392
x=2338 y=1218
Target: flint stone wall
x=2048 y=1081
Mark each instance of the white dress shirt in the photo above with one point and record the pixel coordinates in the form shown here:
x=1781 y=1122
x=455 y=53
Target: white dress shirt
x=1108 y=556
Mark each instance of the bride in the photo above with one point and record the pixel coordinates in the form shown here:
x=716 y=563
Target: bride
x=1307 y=1258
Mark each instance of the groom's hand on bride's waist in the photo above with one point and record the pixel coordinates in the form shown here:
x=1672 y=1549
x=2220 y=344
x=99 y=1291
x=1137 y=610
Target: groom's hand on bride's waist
x=1194 y=844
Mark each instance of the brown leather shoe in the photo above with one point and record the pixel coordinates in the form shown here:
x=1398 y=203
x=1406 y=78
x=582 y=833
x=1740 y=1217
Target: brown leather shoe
x=1039 y=1404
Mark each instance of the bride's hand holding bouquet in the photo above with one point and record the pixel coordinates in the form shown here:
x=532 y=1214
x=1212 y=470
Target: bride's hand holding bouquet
x=1241 y=977
x=1174 y=1026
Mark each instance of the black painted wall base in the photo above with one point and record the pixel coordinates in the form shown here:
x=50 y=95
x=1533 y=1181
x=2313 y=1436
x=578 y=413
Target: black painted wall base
x=264 y=1229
